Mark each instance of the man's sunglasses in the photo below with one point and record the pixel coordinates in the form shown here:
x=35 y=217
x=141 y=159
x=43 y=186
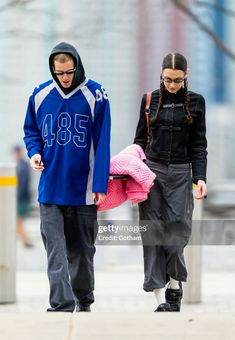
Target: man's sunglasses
x=62 y=73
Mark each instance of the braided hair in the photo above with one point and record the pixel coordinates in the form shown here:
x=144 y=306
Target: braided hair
x=174 y=61
x=186 y=102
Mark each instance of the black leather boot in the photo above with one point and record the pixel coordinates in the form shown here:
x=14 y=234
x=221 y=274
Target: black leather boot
x=174 y=297
x=164 y=307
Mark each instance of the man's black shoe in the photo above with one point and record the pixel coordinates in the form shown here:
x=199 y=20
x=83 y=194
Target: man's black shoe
x=59 y=310
x=83 y=309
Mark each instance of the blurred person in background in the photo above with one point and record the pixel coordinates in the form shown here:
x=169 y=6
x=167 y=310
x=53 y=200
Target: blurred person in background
x=23 y=194
x=67 y=135
x=173 y=135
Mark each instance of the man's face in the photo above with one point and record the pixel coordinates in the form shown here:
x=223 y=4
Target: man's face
x=65 y=79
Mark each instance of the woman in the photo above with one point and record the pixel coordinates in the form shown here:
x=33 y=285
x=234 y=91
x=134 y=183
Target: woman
x=176 y=153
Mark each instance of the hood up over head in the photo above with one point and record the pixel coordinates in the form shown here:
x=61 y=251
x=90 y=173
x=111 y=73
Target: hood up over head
x=79 y=75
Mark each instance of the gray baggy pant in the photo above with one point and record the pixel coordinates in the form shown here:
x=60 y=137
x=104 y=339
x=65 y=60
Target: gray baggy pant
x=168 y=214
x=69 y=234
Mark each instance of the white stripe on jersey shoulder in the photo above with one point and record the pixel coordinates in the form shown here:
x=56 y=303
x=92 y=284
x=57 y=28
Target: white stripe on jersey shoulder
x=67 y=96
x=90 y=99
x=89 y=196
x=40 y=96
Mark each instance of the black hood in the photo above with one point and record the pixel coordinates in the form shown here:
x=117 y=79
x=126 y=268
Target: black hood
x=79 y=75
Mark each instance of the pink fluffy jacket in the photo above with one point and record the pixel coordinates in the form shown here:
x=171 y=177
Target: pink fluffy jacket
x=136 y=188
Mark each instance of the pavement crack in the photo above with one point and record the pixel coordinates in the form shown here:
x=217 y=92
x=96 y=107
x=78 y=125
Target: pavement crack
x=70 y=327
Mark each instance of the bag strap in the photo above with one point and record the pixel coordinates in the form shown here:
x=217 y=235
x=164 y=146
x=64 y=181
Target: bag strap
x=147 y=111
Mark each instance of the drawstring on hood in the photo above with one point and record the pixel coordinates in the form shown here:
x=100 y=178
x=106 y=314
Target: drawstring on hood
x=79 y=75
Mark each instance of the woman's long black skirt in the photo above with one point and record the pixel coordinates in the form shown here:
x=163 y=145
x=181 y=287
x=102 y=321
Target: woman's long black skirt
x=167 y=217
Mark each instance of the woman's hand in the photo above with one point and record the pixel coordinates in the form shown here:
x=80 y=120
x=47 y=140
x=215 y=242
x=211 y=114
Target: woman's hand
x=201 y=190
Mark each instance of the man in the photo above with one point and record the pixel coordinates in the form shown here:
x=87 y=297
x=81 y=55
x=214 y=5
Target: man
x=67 y=135
x=23 y=195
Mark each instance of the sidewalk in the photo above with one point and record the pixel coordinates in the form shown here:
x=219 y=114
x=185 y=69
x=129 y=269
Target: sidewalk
x=111 y=326
x=119 y=290
x=122 y=310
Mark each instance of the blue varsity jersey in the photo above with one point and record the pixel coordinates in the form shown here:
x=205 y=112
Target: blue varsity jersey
x=72 y=133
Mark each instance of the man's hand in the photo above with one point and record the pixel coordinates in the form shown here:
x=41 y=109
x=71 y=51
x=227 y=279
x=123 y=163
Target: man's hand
x=36 y=163
x=201 y=190
x=98 y=197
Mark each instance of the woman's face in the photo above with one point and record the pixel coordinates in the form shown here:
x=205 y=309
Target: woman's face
x=173 y=79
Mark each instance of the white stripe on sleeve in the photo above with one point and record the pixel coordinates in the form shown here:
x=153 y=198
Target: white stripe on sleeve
x=90 y=99
x=40 y=96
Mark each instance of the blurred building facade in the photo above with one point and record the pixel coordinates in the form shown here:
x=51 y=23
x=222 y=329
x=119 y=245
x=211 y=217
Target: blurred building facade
x=122 y=44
